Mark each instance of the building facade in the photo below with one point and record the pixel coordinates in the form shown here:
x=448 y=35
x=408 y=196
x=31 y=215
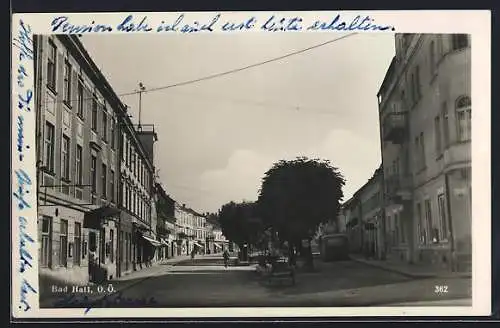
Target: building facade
x=77 y=163
x=363 y=216
x=165 y=231
x=138 y=216
x=425 y=119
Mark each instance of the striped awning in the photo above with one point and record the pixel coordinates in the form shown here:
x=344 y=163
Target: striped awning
x=152 y=241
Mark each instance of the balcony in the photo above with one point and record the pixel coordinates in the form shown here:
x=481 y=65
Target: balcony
x=397 y=188
x=457 y=156
x=395 y=127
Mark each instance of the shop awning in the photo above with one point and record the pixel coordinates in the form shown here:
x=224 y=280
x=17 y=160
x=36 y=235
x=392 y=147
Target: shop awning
x=93 y=219
x=217 y=245
x=152 y=241
x=164 y=242
x=198 y=244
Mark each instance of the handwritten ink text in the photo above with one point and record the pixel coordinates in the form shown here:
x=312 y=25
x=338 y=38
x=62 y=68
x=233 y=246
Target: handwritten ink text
x=26 y=257
x=358 y=23
x=25 y=289
x=129 y=26
x=60 y=24
x=23 y=179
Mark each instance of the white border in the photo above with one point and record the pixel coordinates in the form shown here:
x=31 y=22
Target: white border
x=476 y=23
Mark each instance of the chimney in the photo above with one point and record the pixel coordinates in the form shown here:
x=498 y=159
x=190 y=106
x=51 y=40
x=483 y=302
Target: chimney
x=183 y=205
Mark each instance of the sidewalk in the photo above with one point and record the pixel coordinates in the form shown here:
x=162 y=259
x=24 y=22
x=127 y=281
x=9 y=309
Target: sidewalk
x=410 y=270
x=122 y=283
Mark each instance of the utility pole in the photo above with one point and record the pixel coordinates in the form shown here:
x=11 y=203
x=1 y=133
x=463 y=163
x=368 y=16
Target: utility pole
x=142 y=88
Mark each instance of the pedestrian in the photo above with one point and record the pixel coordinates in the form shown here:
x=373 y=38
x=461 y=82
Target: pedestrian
x=226 y=258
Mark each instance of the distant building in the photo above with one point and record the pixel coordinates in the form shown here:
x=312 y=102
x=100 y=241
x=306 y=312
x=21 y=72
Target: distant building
x=363 y=216
x=165 y=227
x=191 y=232
x=425 y=119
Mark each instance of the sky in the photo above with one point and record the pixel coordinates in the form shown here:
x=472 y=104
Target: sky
x=218 y=137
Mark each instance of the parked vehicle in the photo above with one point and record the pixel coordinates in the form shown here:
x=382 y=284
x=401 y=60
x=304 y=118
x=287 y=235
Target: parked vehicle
x=334 y=247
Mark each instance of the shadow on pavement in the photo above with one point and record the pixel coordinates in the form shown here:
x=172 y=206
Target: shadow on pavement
x=332 y=276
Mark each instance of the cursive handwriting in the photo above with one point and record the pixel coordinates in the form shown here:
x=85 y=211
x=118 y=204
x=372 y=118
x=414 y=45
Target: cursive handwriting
x=25 y=289
x=115 y=300
x=273 y=23
x=24 y=42
x=23 y=179
x=246 y=25
x=60 y=24
x=129 y=26
x=365 y=24
x=200 y=27
x=24 y=102
x=20 y=136
x=284 y=24
x=26 y=257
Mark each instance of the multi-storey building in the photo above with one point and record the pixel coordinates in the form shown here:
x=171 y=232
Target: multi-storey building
x=165 y=228
x=138 y=221
x=77 y=115
x=191 y=230
x=363 y=217
x=425 y=119
x=95 y=193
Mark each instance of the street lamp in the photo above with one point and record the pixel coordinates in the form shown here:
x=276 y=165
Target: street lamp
x=142 y=89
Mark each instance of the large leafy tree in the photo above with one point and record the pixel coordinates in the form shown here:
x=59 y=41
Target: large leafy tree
x=239 y=222
x=297 y=195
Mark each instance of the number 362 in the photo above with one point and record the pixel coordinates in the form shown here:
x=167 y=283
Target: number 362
x=440 y=289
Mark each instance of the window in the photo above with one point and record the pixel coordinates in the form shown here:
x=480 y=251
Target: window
x=77 y=243
x=67 y=82
x=437 y=135
x=432 y=57
x=463 y=110
x=129 y=199
x=79 y=165
x=94 y=114
x=442 y=217
x=459 y=41
x=126 y=152
x=113 y=132
x=103 y=245
x=104 y=126
x=104 y=181
x=65 y=158
x=93 y=173
x=51 y=66
x=46 y=247
x=422 y=151
x=446 y=126
x=421 y=225
x=428 y=220
x=49 y=146
x=80 y=98
x=417 y=159
x=112 y=185
x=111 y=245
x=63 y=242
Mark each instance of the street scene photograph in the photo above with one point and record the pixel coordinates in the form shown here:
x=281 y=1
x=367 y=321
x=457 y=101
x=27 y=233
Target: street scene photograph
x=253 y=170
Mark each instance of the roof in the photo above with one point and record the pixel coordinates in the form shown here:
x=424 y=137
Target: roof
x=387 y=76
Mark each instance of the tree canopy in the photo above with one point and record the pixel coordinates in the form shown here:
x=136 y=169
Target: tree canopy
x=239 y=222
x=297 y=195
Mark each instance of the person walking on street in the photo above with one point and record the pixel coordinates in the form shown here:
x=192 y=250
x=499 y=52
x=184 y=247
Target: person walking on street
x=226 y=258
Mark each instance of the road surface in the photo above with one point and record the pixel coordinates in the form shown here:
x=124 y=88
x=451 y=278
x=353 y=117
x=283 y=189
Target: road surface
x=205 y=282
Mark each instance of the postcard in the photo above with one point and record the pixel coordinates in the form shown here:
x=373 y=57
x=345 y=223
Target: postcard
x=251 y=164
